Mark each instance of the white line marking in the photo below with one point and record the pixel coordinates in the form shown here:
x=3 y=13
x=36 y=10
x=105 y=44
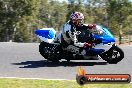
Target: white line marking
x=32 y=78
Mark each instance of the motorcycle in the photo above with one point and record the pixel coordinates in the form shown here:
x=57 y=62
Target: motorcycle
x=103 y=46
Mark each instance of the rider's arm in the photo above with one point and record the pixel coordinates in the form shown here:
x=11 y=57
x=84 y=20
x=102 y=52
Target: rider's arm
x=69 y=33
x=80 y=44
x=73 y=35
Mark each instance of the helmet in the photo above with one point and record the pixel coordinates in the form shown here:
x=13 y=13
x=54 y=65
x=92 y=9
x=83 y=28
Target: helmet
x=77 y=16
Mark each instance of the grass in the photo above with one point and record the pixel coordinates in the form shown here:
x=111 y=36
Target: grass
x=28 y=83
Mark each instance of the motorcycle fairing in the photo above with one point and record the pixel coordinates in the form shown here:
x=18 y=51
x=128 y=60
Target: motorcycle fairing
x=93 y=51
x=105 y=36
x=46 y=34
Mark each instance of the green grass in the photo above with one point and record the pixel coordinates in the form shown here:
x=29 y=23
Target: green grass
x=28 y=83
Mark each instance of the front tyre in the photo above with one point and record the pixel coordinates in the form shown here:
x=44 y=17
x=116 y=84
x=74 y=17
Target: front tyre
x=114 y=55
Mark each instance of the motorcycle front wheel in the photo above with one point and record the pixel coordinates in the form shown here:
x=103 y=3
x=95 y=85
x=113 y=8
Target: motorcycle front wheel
x=114 y=55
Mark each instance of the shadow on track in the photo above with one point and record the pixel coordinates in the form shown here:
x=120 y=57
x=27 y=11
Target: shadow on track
x=45 y=63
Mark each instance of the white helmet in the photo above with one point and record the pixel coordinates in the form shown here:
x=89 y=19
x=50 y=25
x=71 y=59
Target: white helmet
x=77 y=16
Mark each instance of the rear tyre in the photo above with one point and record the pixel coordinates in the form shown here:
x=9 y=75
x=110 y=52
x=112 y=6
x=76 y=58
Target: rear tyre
x=42 y=47
x=47 y=53
x=114 y=55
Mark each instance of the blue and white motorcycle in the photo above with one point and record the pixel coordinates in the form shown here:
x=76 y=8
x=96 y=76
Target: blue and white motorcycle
x=103 y=46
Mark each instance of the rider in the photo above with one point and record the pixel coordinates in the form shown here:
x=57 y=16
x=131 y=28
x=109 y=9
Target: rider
x=68 y=35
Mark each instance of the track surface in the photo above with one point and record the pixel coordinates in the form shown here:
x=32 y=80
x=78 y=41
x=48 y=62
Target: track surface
x=23 y=60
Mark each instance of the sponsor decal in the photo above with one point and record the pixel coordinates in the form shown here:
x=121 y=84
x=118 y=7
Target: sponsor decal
x=83 y=78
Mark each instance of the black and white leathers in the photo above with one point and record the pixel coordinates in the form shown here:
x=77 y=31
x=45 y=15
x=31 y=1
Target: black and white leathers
x=67 y=35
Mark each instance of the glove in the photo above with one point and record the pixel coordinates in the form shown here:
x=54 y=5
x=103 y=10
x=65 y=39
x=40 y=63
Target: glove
x=91 y=26
x=89 y=45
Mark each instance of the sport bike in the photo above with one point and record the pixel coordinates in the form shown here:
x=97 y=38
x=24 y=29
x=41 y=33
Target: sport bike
x=103 y=46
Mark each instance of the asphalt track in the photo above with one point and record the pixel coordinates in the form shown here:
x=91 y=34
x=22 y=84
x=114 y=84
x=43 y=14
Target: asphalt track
x=24 y=61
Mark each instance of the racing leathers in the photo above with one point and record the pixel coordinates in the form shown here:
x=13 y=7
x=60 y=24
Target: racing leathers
x=68 y=36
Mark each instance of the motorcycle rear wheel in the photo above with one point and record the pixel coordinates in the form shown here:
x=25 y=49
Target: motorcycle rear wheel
x=113 y=56
x=45 y=51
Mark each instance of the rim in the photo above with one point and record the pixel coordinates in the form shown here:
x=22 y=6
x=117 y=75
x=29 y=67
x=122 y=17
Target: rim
x=115 y=54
